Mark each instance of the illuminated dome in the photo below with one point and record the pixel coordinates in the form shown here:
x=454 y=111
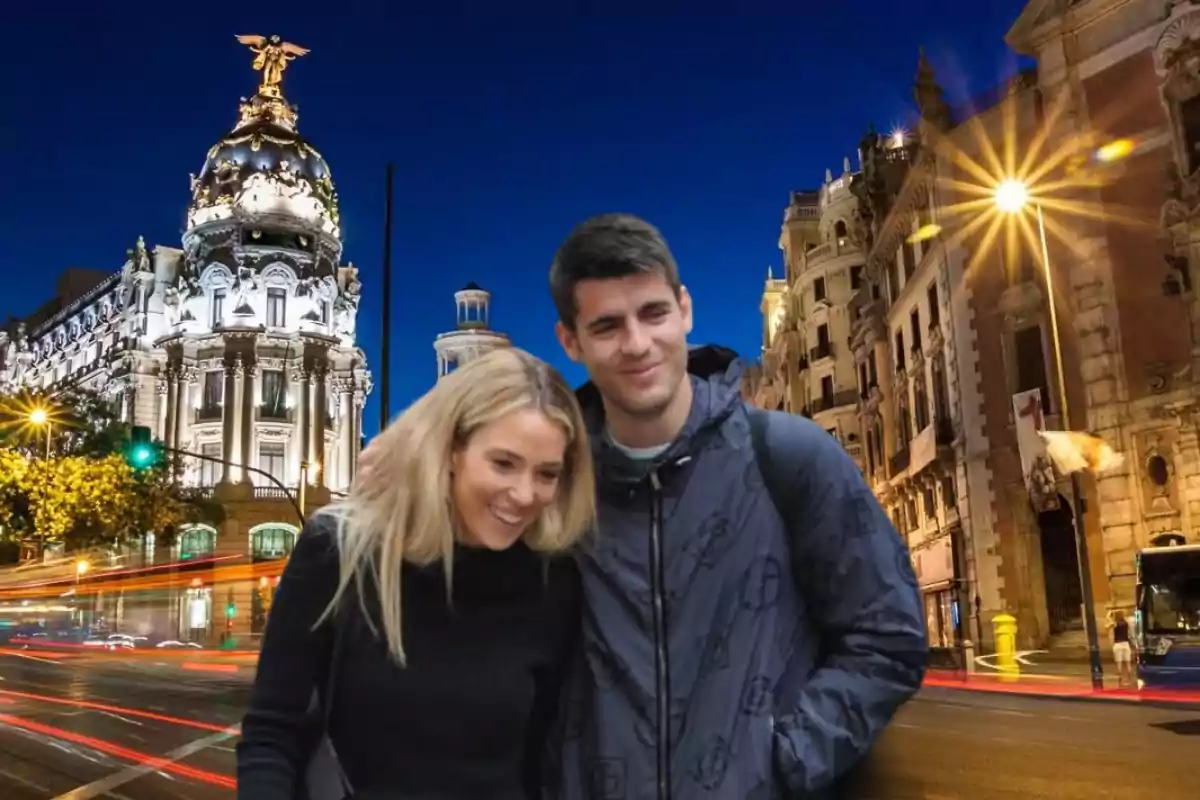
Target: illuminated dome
x=263 y=168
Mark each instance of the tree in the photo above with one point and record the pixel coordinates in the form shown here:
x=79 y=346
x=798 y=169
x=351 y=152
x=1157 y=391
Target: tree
x=85 y=494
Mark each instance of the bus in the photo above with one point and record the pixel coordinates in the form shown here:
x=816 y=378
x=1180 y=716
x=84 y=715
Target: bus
x=1167 y=622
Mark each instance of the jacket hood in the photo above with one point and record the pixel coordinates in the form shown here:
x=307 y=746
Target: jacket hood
x=716 y=375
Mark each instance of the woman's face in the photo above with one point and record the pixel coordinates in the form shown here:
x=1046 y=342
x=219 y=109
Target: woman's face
x=505 y=476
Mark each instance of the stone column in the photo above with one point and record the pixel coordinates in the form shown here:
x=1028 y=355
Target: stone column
x=235 y=439
x=183 y=407
x=345 y=427
x=228 y=420
x=162 y=388
x=296 y=383
x=170 y=426
x=321 y=414
x=250 y=393
x=306 y=418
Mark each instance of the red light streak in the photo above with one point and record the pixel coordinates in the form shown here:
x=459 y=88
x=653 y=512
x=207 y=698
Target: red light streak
x=128 y=712
x=156 y=763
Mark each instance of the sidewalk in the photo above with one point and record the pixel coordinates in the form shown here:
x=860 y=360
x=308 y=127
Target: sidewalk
x=1066 y=683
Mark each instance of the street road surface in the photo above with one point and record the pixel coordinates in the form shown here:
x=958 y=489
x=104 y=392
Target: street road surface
x=68 y=728
x=948 y=744
x=71 y=728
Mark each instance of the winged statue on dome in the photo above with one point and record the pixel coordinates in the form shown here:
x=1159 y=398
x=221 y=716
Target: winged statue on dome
x=271 y=57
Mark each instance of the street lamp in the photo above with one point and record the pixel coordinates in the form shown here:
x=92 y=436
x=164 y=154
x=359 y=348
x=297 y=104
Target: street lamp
x=1013 y=197
x=38 y=417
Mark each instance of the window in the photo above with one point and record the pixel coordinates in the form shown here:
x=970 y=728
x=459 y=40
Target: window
x=856 y=274
x=901 y=360
x=819 y=289
x=197 y=542
x=949 y=493
x=271 y=542
x=270 y=461
x=870 y=452
x=218 y=308
x=839 y=230
x=276 y=308
x=1031 y=362
x=893 y=279
x=863 y=386
x=915 y=323
x=929 y=501
x=941 y=389
x=827 y=391
x=909 y=257
x=210 y=471
x=1189 y=112
x=274 y=394
x=935 y=315
x=214 y=391
x=920 y=401
x=872 y=370
x=822 y=336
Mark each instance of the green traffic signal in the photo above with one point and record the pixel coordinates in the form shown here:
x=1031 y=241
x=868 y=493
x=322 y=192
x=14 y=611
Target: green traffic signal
x=142 y=451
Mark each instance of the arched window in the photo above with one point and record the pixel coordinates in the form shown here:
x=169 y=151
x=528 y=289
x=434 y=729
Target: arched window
x=271 y=541
x=197 y=541
x=839 y=229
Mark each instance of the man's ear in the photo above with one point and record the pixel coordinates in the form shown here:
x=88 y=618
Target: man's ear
x=685 y=308
x=568 y=340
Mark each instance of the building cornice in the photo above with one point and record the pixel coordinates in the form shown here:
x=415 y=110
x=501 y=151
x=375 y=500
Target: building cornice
x=913 y=191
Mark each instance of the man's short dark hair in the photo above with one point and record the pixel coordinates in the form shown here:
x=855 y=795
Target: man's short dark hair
x=603 y=247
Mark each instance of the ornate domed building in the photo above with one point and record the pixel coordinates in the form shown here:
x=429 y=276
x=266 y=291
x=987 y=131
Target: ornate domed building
x=240 y=346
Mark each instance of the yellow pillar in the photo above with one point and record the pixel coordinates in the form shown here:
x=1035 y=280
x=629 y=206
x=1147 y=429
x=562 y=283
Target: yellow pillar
x=1005 y=627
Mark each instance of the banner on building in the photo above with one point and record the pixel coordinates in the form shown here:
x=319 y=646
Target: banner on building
x=1035 y=463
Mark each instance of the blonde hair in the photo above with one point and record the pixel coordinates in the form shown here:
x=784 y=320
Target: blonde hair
x=399 y=508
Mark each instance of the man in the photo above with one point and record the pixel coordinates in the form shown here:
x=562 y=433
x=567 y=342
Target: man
x=744 y=637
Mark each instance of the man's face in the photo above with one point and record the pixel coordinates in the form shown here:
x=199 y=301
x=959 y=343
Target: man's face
x=631 y=334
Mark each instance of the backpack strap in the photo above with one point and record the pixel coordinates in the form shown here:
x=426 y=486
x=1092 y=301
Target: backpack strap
x=777 y=487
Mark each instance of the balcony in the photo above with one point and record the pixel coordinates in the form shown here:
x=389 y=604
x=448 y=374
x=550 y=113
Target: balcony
x=899 y=461
x=837 y=400
x=823 y=350
x=208 y=414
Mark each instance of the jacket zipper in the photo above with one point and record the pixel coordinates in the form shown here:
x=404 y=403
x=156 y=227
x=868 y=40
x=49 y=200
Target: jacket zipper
x=662 y=663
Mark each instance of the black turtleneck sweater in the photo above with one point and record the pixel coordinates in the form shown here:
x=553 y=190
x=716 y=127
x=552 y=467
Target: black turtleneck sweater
x=469 y=715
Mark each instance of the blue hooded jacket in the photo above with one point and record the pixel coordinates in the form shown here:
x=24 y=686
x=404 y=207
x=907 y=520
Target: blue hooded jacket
x=728 y=653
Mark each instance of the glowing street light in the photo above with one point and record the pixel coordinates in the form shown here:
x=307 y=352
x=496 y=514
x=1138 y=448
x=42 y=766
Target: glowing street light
x=38 y=417
x=1012 y=197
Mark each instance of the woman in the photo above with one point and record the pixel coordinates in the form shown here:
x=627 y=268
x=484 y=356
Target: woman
x=445 y=576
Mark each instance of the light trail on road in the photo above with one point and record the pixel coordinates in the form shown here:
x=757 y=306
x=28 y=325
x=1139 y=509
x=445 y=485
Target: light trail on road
x=113 y=709
x=152 y=762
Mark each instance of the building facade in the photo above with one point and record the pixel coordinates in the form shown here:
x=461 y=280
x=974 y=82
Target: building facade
x=904 y=353
x=472 y=335
x=239 y=346
x=953 y=337
x=808 y=365
x=1123 y=245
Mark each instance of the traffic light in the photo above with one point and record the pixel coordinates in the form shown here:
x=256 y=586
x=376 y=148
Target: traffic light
x=143 y=452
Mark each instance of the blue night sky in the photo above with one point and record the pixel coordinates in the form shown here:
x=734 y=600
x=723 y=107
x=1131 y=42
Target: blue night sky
x=506 y=128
